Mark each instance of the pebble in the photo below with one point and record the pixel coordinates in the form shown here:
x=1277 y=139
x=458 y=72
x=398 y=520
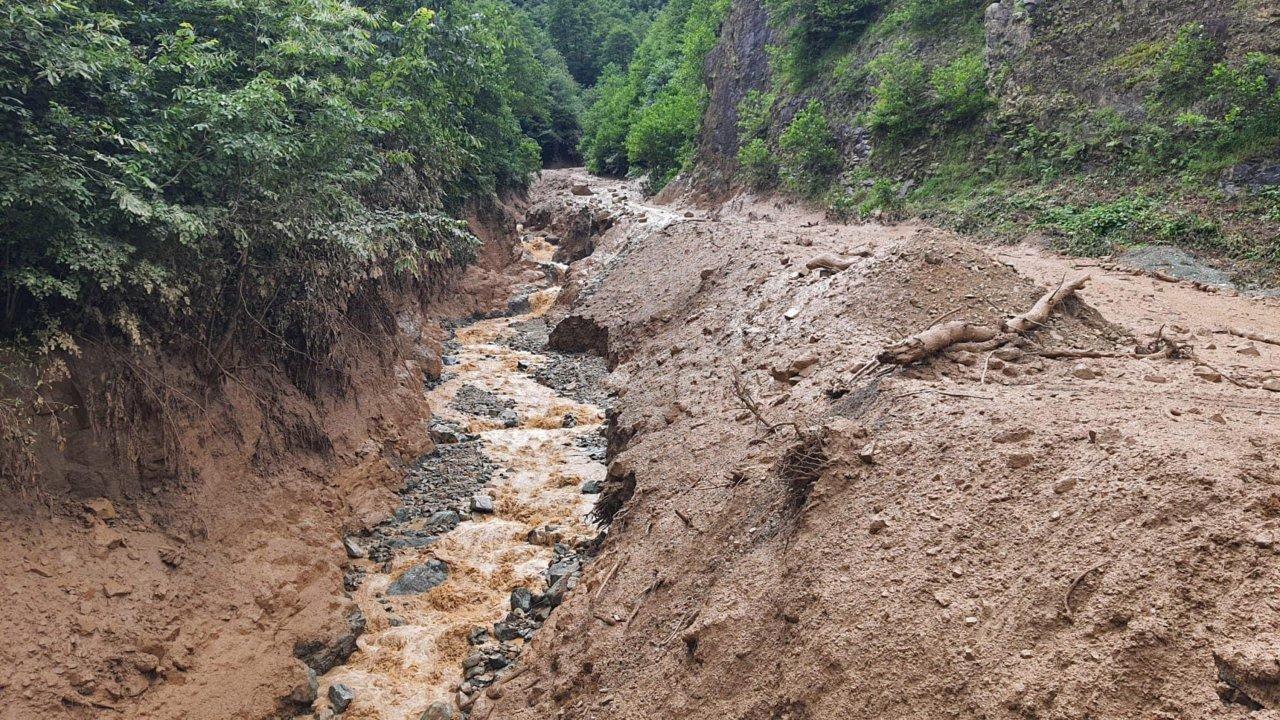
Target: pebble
x=1272 y=385
x=340 y=697
x=481 y=504
x=1083 y=372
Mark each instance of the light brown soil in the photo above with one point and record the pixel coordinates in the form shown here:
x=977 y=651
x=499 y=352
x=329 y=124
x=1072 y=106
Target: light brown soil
x=132 y=593
x=987 y=536
x=984 y=535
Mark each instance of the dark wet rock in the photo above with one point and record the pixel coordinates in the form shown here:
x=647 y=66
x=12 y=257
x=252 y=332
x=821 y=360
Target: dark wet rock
x=527 y=335
x=521 y=599
x=442 y=521
x=579 y=334
x=519 y=305
x=419 y=579
x=413 y=541
x=580 y=377
x=478 y=636
x=448 y=360
x=563 y=569
x=592 y=487
x=1174 y=261
x=352 y=579
x=569 y=421
x=480 y=402
x=481 y=504
x=324 y=654
x=506 y=631
x=509 y=418
x=340 y=697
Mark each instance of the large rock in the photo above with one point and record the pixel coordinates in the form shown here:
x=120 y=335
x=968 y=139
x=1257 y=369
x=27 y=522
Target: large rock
x=325 y=653
x=419 y=579
x=340 y=697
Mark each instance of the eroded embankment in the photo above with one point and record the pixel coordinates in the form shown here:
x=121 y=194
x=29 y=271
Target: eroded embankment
x=486 y=541
x=996 y=534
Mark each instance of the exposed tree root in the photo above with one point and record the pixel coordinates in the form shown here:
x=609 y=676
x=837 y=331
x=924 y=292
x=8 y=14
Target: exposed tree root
x=934 y=340
x=977 y=338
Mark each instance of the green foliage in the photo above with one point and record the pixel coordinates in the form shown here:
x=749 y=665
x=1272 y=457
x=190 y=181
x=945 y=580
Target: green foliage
x=1182 y=67
x=644 y=118
x=593 y=34
x=757 y=166
x=754 y=112
x=1100 y=228
x=663 y=133
x=936 y=16
x=900 y=106
x=809 y=155
x=813 y=27
x=960 y=88
x=198 y=168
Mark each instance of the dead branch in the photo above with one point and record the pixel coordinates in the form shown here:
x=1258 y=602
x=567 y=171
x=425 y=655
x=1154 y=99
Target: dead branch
x=978 y=338
x=751 y=405
x=1066 y=598
x=931 y=341
x=1250 y=335
x=1039 y=313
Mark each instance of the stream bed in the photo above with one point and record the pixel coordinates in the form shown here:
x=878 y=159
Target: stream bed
x=485 y=542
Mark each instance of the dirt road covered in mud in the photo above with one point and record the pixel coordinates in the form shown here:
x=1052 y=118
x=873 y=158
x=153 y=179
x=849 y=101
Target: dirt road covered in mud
x=1070 y=528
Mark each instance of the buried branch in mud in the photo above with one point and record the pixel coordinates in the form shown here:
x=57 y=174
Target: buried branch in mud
x=942 y=336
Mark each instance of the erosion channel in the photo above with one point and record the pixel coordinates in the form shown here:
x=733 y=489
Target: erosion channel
x=486 y=540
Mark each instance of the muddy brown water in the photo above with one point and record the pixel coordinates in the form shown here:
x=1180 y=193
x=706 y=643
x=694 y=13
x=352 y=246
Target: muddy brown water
x=540 y=466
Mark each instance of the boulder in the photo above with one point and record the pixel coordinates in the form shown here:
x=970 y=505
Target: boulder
x=419 y=579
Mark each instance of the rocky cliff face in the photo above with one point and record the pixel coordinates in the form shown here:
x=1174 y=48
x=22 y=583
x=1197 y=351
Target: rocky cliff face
x=738 y=64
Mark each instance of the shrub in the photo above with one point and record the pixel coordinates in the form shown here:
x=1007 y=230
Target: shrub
x=661 y=136
x=753 y=114
x=757 y=166
x=809 y=155
x=1183 y=66
x=960 y=88
x=900 y=106
x=931 y=16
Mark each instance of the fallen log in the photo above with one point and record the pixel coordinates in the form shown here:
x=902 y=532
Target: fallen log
x=935 y=339
x=942 y=336
x=1039 y=313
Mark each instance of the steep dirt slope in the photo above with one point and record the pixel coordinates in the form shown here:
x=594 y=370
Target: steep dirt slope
x=986 y=535
x=135 y=591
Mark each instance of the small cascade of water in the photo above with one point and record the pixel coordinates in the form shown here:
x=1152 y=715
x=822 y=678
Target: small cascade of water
x=484 y=522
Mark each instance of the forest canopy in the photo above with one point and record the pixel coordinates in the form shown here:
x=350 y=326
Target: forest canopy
x=179 y=165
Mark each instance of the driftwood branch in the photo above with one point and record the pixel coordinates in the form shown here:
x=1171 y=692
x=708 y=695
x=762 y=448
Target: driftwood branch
x=1039 y=313
x=942 y=336
x=1250 y=335
x=922 y=345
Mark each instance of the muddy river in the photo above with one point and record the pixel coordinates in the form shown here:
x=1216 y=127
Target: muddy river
x=460 y=576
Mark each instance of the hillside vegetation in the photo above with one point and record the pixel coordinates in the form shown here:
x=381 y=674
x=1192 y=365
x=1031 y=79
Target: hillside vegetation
x=195 y=170
x=1098 y=125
